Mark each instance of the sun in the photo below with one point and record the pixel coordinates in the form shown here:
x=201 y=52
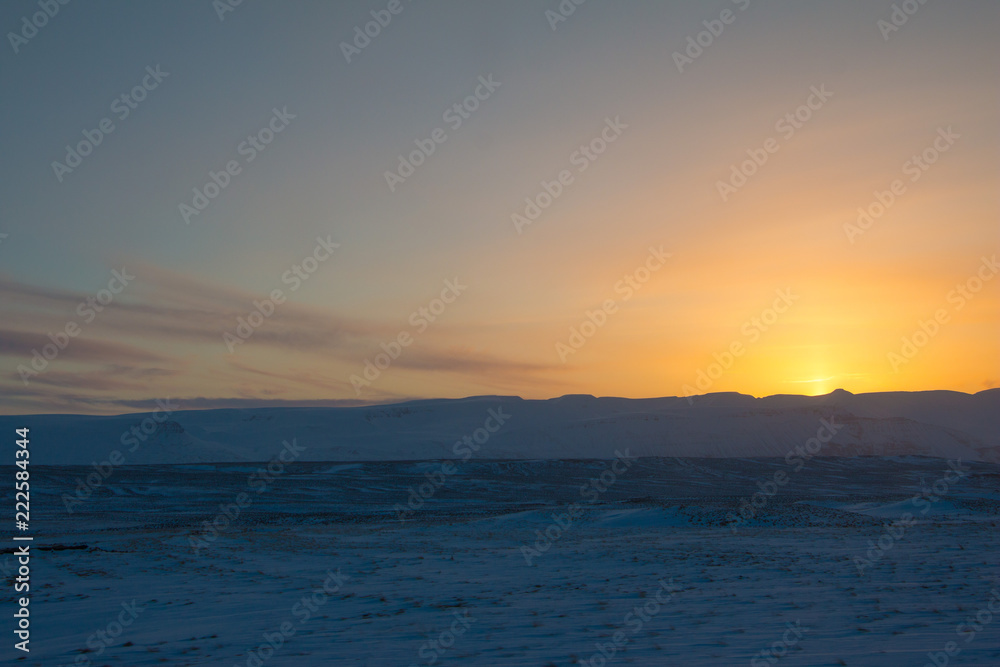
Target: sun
x=815 y=386
x=819 y=386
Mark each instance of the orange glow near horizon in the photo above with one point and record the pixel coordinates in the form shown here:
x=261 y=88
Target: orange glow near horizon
x=774 y=285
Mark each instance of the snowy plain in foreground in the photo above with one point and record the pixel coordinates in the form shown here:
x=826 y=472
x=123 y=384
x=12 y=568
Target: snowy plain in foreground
x=457 y=572
x=833 y=530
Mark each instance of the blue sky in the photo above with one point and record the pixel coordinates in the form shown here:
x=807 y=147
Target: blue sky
x=323 y=176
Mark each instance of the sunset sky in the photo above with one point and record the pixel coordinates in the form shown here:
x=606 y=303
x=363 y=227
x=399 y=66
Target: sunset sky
x=641 y=138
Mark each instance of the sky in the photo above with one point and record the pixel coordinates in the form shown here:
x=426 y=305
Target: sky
x=261 y=204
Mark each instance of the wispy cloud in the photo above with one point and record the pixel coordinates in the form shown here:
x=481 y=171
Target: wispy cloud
x=164 y=335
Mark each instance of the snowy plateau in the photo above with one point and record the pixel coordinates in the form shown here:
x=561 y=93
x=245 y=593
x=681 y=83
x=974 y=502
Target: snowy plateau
x=789 y=530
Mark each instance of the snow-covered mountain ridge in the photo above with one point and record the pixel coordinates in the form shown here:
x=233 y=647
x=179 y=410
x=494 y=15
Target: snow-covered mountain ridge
x=934 y=423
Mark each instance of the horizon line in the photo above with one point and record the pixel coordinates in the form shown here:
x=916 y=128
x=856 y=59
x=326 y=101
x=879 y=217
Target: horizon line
x=202 y=403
